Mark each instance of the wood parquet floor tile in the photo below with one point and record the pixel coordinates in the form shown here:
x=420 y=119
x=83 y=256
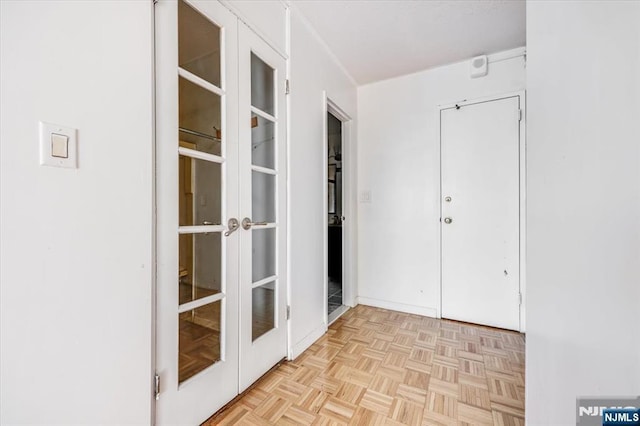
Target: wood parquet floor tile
x=380 y=367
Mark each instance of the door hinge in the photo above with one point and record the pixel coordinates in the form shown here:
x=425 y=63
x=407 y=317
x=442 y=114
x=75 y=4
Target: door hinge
x=156 y=386
x=519 y=298
x=287 y=89
x=519 y=115
x=288 y=312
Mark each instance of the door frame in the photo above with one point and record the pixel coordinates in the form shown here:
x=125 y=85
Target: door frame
x=521 y=94
x=348 y=205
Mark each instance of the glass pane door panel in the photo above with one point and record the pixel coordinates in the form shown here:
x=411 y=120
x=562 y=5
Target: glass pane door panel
x=199 y=192
x=263 y=151
x=200 y=268
x=263 y=242
x=198 y=44
x=262 y=85
x=262 y=309
x=199 y=111
x=263 y=197
x=199 y=339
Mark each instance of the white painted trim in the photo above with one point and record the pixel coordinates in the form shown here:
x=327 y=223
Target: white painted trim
x=195 y=304
x=439 y=249
x=308 y=340
x=243 y=18
x=325 y=209
x=334 y=109
x=265 y=115
x=193 y=153
x=521 y=94
x=263 y=170
x=523 y=210
x=288 y=191
x=348 y=255
x=264 y=281
x=506 y=54
x=400 y=307
x=187 y=75
x=154 y=220
x=333 y=317
x=349 y=205
x=462 y=102
x=321 y=41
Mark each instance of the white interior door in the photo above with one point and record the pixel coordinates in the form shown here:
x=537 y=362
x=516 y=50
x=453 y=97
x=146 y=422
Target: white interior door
x=263 y=180
x=480 y=145
x=196 y=176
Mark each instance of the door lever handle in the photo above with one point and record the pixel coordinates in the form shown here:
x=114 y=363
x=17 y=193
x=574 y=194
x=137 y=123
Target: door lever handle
x=233 y=226
x=247 y=224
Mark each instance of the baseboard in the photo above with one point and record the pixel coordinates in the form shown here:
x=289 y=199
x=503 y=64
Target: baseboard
x=307 y=341
x=401 y=307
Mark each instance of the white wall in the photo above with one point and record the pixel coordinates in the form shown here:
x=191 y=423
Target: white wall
x=313 y=70
x=76 y=254
x=399 y=160
x=583 y=213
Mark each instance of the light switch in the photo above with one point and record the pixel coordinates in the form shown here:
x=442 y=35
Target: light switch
x=59 y=146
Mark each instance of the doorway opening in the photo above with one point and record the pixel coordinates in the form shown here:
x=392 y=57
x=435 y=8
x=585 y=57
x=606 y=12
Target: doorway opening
x=335 y=211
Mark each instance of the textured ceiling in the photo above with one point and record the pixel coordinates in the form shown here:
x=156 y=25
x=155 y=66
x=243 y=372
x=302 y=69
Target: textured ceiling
x=380 y=39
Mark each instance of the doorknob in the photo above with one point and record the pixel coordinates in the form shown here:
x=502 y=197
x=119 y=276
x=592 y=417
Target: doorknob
x=233 y=226
x=247 y=224
x=448 y=220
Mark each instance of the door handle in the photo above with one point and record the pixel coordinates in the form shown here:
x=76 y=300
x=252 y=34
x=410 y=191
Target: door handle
x=448 y=220
x=233 y=226
x=247 y=224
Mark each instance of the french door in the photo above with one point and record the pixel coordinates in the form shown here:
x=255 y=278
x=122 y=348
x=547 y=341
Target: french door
x=480 y=145
x=221 y=209
x=263 y=298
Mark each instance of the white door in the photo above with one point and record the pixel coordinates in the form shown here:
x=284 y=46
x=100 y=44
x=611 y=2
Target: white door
x=480 y=145
x=263 y=180
x=196 y=176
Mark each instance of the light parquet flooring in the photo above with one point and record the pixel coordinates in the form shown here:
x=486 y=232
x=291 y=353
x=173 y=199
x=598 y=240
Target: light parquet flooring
x=380 y=367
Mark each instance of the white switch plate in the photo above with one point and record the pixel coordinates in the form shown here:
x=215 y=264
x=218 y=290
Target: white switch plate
x=50 y=134
x=365 y=196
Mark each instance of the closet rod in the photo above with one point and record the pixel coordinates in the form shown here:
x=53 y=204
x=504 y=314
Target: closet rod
x=200 y=134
